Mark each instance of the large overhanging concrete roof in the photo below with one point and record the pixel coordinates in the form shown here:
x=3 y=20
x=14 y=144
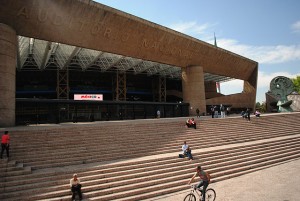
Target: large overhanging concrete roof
x=93 y=33
x=42 y=55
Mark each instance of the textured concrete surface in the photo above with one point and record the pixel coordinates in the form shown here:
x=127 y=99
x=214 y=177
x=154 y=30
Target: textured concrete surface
x=193 y=88
x=8 y=58
x=106 y=29
x=102 y=28
x=277 y=183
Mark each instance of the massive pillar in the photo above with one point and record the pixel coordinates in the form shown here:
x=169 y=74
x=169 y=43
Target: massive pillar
x=193 y=88
x=8 y=58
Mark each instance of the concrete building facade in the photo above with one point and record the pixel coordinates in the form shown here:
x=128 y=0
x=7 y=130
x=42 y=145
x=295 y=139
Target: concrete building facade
x=87 y=24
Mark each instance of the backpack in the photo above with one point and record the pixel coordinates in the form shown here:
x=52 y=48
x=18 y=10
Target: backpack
x=180 y=156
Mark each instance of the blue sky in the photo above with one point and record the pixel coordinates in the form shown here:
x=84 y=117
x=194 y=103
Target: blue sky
x=267 y=31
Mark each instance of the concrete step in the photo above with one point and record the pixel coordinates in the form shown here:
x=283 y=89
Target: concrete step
x=220 y=153
x=140 y=193
x=144 y=178
x=263 y=160
x=109 y=176
x=6 y=171
x=88 y=157
x=4 y=163
x=229 y=137
x=42 y=141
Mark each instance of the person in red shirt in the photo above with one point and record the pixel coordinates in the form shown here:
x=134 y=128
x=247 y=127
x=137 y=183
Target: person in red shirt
x=191 y=123
x=5 y=143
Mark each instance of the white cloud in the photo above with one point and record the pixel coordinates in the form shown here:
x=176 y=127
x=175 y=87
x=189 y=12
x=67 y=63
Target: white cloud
x=263 y=84
x=262 y=54
x=296 y=27
x=232 y=87
x=264 y=79
x=273 y=54
x=191 y=28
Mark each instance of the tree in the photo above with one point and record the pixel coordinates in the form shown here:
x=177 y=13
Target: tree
x=296 y=82
x=261 y=106
x=257 y=105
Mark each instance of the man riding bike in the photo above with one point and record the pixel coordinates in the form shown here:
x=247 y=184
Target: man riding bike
x=204 y=179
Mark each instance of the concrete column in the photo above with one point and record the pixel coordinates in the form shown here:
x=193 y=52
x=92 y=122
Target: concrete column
x=193 y=88
x=8 y=60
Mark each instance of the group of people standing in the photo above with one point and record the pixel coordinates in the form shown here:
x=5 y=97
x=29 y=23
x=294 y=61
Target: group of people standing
x=223 y=111
x=246 y=114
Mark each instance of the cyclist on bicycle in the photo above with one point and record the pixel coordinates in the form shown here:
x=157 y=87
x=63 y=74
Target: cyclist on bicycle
x=204 y=179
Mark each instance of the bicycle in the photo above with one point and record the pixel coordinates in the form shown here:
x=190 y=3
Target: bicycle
x=210 y=194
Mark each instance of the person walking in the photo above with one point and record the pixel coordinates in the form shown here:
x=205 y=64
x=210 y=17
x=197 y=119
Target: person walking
x=248 y=114
x=212 y=109
x=204 y=180
x=198 y=112
x=5 y=144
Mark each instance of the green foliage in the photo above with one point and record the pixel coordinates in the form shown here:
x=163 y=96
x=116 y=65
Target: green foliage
x=261 y=107
x=257 y=105
x=296 y=82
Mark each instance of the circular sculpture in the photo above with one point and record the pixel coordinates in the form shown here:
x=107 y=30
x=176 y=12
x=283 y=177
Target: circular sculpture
x=280 y=87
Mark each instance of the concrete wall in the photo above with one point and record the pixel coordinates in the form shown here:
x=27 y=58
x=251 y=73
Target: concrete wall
x=193 y=88
x=96 y=26
x=8 y=59
x=88 y=24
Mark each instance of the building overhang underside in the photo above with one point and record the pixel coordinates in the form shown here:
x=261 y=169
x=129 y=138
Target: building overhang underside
x=35 y=55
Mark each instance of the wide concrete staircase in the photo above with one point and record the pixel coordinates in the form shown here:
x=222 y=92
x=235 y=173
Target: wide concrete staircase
x=136 y=160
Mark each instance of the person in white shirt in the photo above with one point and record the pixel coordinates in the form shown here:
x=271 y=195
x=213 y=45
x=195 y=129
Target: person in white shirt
x=187 y=151
x=158 y=114
x=75 y=187
x=257 y=113
x=222 y=109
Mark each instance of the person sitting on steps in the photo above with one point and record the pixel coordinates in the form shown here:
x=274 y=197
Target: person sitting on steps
x=190 y=123
x=75 y=187
x=257 y=113
x=187 y=151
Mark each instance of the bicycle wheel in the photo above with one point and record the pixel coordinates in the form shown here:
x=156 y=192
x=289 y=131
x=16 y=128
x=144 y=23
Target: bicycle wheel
x=190 y=197
x=210 y=195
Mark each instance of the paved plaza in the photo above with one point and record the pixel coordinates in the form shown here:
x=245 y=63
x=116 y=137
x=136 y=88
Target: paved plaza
x=277 y=183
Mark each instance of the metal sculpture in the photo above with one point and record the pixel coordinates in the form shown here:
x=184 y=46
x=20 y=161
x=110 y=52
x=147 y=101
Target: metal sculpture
x=280 y=87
